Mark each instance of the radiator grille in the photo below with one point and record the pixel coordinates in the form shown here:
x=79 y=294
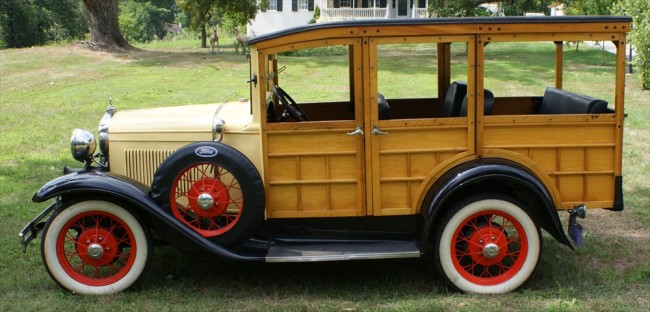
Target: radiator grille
x=141 y=164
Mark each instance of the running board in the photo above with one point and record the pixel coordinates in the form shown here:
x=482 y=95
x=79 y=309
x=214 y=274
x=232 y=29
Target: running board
x=343 y=251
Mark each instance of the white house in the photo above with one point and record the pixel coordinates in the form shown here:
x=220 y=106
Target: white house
x=291 y=13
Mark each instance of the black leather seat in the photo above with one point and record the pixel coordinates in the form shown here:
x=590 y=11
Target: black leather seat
x=454 y=98
x=383 y=107
x=557 y=101
x=488 y=104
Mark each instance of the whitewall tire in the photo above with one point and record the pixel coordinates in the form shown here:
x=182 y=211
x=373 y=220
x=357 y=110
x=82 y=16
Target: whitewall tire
x=95 y=247
x=487 y=244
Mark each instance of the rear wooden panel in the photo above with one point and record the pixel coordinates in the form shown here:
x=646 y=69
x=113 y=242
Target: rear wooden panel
x=577 y=152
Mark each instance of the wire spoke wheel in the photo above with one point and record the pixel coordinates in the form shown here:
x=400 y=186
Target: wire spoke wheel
x=488 y=245
x=488 y=252
x=95 y=247
x=208 y=198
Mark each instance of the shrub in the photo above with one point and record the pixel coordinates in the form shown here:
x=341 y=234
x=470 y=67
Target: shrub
x=640 y=35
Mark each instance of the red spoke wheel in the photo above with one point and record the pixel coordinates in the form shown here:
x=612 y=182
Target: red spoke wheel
x=212 y=189
x=207 y=198
x=488 y=245
x=95 y=247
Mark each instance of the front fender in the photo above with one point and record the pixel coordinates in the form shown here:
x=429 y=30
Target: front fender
x=93 y=182
x=492 y=175
x=90 y=183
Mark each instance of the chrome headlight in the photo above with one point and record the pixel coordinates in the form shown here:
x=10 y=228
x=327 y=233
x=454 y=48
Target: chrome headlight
x=82 y=145
x=103 y=130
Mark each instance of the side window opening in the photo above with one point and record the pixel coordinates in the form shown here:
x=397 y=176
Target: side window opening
x=407 y=77
x=523 y=76
x=322 y=87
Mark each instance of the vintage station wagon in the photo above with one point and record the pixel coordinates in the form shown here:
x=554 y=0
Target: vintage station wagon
x=410 y=148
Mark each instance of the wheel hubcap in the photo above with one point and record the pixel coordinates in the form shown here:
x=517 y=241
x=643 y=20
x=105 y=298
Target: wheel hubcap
x=205 y=201
x=208 y=197
x=490 y=251
x=95 y=251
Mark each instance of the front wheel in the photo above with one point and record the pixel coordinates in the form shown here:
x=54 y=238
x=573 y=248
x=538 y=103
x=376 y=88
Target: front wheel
x=487 y=244
x=95 y=247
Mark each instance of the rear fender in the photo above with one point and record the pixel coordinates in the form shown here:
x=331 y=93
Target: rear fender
x=106 y=185
x=494 y=176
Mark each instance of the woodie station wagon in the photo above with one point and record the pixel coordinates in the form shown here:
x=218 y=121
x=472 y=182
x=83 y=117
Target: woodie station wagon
x=413 y=147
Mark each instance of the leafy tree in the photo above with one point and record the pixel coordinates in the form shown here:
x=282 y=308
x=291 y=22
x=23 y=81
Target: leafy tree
x=20 y=24
x=67 y=19
x=202 y=11
x=142 y=21
x=28 y=23
x=640 y=35
x=458 y=8
x=588 y=7
x=520 y=7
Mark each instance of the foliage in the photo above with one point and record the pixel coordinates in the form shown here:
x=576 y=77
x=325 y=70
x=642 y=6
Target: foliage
x=460 y=8
x=447 y=8
x=320 y=51
x=143 y=21
x=640 y=35
x=201 y=12
x=314 y=19
x=520 y=7
x=29 y=23
x=588 y=7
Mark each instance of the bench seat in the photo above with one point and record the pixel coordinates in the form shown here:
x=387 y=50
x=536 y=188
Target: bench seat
x=557 y=101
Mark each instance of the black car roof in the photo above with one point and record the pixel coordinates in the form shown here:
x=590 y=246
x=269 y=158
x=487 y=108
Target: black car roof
x=442 y=21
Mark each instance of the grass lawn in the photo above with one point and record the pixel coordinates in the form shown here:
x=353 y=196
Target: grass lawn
x=45 y=92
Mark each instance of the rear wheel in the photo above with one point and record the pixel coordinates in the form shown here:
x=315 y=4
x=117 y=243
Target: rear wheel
x=95 y=247
x=487 y=244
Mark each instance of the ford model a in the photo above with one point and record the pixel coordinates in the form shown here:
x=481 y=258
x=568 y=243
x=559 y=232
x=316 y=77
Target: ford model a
x=452 y=161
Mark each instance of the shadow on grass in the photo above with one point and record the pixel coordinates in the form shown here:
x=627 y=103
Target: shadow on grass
x=349 y=280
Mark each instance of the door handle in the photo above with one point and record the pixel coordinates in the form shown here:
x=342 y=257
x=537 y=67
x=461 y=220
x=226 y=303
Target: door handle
x=356 y=131
x=376 y=131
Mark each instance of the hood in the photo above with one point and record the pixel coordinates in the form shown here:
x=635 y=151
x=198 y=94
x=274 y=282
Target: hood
x=175 y=121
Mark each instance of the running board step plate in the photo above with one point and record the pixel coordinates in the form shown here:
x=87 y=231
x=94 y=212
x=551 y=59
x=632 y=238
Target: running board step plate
x=342 y=251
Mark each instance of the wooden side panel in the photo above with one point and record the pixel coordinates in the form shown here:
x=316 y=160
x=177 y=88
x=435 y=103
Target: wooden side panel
x=408 y=153
x=577 y=152
x=315 y=174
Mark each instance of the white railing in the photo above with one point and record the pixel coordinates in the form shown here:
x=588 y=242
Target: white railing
x=421 y=13
x=333 y=14
x=351 y=14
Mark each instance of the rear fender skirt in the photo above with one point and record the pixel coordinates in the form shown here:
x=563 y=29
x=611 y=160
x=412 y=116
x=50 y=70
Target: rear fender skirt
x=492 y=175
x=92 y=183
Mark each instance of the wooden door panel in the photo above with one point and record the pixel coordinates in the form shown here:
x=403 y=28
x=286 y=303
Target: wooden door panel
x=313 y=174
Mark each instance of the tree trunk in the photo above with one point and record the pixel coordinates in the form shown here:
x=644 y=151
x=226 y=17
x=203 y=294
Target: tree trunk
x=204 y=37
x=104 y=27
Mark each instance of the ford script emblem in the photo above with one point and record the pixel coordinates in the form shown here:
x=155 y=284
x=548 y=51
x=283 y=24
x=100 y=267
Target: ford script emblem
x=206 y=151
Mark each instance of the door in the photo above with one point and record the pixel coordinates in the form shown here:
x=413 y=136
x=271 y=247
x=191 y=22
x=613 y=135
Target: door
x=315 y=168
x=419 y=133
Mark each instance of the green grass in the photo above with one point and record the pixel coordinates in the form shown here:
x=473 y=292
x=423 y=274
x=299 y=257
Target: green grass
x=47 y=91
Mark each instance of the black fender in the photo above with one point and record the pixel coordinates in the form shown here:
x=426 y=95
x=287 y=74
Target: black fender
x=492 y=175
x=107 y=185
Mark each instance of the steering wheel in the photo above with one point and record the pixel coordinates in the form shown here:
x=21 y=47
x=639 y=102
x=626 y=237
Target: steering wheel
x=291 y=108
